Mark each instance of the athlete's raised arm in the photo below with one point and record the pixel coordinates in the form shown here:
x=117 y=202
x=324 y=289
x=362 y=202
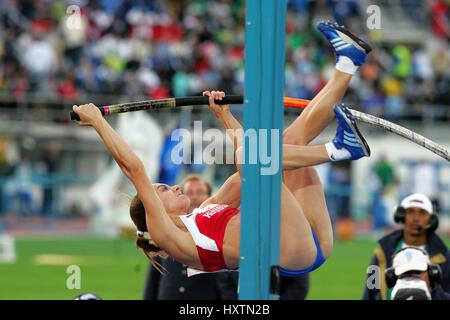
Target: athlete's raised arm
x=163 y=231
x=225 y=117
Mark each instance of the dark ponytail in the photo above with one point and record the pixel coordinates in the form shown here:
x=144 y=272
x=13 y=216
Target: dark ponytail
x=148 y=246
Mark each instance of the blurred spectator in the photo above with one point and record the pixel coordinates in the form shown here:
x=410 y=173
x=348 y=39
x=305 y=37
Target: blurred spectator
x=384 y=170
x=393 y=88
x=384 y=195
x=382 y=207
x=412 y=7
x=422 y=66
x=344 y=10
x=19 y=189
x=339 y=179
x=74 y=37
x=66 y=88
x=439 y=18
x=402 y=57
x=37 y=54
x=5 y=171
x=440 y=59
x=425 y=181
x=51 y=162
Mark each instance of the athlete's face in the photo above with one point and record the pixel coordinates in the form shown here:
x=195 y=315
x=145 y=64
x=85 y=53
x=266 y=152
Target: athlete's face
x=416 y=220
x=173 y=199
x=197 y=191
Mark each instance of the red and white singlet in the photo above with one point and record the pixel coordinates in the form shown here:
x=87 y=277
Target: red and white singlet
x=207 y=227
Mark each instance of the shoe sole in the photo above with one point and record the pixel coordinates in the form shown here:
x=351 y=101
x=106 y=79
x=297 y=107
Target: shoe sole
x=367 y=48
x=356 y=41
x=352 y=124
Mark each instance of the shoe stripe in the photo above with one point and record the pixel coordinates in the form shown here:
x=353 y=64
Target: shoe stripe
x=352 y=144
x=339 y=43
x=349 y=136
x=343 y=46
x=353 y=139
x=349 y=133
x=335 y=39
x=339 y=47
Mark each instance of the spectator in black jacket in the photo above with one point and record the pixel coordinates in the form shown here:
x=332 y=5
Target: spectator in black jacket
x=419 y=225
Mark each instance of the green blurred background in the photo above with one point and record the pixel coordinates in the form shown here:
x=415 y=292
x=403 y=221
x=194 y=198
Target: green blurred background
x=114 y=269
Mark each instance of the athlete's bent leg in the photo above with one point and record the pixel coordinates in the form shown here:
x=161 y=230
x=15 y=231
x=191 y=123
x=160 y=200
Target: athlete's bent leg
x=304 y=183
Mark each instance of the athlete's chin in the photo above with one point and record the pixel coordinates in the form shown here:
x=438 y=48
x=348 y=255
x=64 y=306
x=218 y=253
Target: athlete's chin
x=184 y=198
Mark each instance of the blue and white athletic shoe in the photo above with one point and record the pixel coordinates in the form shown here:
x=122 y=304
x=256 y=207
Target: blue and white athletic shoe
x=348 y=135
x=344 y=43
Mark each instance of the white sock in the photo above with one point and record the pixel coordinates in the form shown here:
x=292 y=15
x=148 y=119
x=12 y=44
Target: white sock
x=336 y=154
x=346 y=65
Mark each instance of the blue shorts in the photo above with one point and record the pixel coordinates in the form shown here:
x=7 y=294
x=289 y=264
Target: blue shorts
x=320 y=259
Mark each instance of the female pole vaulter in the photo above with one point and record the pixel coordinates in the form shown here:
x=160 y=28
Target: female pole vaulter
x=208 y=239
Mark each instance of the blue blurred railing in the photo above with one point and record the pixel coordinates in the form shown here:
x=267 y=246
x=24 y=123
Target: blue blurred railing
x=17 y=193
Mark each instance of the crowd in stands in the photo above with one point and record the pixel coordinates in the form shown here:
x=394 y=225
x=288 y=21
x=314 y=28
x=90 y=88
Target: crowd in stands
x=70 y=49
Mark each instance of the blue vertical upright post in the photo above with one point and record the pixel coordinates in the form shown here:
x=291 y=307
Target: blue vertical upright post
x=263 y=109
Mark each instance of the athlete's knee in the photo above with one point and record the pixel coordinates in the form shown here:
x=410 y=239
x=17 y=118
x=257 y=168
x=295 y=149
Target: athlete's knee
x=325 y=241
x=239 y=156
x=290 y=136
